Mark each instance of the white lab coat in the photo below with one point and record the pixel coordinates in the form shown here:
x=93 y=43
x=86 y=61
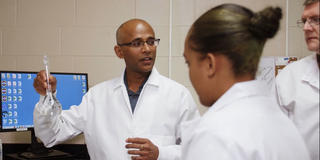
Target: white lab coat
x=244 y=124
x=297 y=90
x=105 y=117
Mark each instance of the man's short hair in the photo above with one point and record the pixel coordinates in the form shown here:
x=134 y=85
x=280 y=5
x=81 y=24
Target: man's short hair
x=308 y=2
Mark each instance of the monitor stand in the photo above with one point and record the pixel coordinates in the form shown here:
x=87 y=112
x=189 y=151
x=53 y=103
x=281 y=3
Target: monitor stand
x=39 y=151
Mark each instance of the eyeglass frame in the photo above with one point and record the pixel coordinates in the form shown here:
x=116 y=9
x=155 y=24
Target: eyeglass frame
x=312 y=21
x=155 y=40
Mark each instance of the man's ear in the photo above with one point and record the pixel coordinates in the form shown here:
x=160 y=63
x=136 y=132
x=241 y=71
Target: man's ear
x=211 y=64
x=118 y=51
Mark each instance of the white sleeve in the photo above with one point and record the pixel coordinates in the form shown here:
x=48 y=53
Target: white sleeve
x=189 y=113
x=51 y=124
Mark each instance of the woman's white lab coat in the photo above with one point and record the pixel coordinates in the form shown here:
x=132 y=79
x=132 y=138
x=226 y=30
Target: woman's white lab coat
x=244 y=124
x=106 y=119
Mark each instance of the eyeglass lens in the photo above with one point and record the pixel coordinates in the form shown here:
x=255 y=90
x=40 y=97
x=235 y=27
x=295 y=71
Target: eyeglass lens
x=150 y=42
x=311 y=21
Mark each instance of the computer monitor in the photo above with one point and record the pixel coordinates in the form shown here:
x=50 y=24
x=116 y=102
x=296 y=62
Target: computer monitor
x=18 y=97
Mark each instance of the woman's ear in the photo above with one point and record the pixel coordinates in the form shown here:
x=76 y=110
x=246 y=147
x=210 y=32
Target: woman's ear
x=118 y=51
x=211 y=64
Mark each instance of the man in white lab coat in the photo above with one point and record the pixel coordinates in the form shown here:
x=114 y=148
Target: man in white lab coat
x=136 y=116
x=297 y=85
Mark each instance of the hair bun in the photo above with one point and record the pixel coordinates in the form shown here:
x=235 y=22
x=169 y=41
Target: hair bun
x=265 y=24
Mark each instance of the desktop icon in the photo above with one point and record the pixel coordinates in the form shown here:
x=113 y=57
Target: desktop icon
x=14 y=83
x=4 y=90
x=9 y=106
x=9 y=98
x=19 y=91
x=15 y=121
x=14 y=91
x=3 y=83
x=4 y=114
x=9 y=91
x=4 y=98
x=19 y=83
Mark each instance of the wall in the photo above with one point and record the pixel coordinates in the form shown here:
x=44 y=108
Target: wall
x=79 y=36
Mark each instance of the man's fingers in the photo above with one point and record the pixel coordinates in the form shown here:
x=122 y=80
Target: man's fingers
x=138 y=158
x=40 y=83
x=42 y=75
x=138 y=146
x=147 y=150
x=38 y=87
x=138 y=152
x=133 y=145
x=137 y=140
x=52 y=79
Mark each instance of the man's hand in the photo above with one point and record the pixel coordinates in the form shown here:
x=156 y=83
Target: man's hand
x=147 y=150
x=40 y=83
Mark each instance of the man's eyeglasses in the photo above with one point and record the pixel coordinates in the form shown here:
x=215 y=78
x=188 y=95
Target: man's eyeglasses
x=313 y=21
x=140 y=43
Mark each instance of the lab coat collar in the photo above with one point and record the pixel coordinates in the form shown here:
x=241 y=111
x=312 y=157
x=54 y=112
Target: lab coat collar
x=152 y=80
x=240 y=90
x=311 y=75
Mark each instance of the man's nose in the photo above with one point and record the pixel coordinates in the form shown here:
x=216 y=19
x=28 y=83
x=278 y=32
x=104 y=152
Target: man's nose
x=146 y=47
x=307 y=26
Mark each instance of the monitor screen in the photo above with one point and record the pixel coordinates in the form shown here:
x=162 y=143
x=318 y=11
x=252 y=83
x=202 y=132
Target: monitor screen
x=18 y=97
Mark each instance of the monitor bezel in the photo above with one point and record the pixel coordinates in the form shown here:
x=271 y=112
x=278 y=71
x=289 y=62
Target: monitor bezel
x=33 y=72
